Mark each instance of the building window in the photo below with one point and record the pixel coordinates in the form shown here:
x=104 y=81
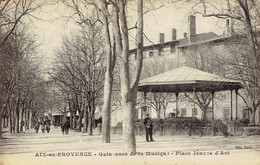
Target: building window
x=226 y=113
x=183 y=112
x=144 y=55
x=183 y=51
x=151 y=54
x=245 y=114
x=160 y=51
x=172 y=115
x=135 y=56
x=172 y=48
x=209 y=113
x=194 y=112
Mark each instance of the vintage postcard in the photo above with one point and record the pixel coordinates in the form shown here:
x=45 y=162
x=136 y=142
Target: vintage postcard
x=130 y=82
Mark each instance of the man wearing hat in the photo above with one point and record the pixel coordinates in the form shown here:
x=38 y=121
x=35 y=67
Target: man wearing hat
x=149 y=128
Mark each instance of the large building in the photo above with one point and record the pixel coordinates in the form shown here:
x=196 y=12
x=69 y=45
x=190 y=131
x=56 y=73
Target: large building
x=176 y=51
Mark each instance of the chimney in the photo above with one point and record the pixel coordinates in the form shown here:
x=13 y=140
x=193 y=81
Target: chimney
x=161 y=37
x=192 y=28
x=184 y=35
x=174 y=34
x=228 y=29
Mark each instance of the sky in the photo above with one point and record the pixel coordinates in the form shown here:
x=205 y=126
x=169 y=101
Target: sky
x=52 y=26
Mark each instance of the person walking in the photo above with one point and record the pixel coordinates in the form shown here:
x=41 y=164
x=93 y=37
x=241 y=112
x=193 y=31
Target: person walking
x=48 y=125
x=62 y=128
x=148 y=128
x=37 y=126
x=43 y=126
x=66 y=126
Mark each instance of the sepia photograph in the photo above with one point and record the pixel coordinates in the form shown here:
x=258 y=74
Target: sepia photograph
x=149 y=82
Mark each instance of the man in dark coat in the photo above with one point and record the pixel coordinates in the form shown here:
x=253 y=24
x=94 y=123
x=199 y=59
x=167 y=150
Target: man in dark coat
x=43 y=123
x=48 y=125
x=62 y=128
x=37 y=126
x=148 y=128
x=66 y=126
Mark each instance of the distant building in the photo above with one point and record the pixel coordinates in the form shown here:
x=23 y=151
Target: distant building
x=176 y=50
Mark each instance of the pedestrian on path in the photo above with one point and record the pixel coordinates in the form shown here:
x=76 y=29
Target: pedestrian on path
x=66 y=126
x=43 y=126
x=48 y=125
x=62 y=128
x=37 y=126
x=148 y=128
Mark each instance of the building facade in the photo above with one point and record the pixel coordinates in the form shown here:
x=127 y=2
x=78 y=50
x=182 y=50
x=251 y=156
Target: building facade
x=181 y=52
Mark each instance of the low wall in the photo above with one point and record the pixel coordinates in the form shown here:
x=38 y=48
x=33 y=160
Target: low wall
x=191 y=126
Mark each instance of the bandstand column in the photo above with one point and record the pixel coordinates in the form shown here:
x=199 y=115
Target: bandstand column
x=177 y=102
x=231 y=105
x=236 y=104
x=213 y=93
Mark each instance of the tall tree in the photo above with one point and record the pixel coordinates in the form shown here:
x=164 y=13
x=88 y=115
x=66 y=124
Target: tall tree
x=110 y=64
x=128 y=91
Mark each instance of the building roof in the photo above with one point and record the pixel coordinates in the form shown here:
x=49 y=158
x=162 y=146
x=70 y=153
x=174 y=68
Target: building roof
x=207 y=41
x=186 y=79
x=235 y=38
x=181 y=42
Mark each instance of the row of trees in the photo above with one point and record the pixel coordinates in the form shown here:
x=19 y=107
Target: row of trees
x=79 y=74
x=23 y=93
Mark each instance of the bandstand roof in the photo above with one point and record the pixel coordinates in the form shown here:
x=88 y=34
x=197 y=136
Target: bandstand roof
x=187 y=79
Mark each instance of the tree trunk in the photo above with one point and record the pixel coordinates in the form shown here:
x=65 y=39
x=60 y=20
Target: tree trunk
x=17 y=114
x=86 y=121
x=22 y=119
x=252 y=117
x=71 y=115
x=204 y=111
x=158 y=112
x=75 y=119
x=13 y=120
x=90 y=125
x=129 y=144
x=4 y=122
x=90 y=119
x=106 y=111
x=128 y=127
x=7 y=121
x=80 y=121
x=1 y=116
x=1 y=92
x=26 y=120
x=17 y=120
x=10 y=125
x=30 y=114
x=128 y=94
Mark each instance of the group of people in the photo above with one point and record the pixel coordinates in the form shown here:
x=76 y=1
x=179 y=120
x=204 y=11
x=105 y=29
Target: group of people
x=44 y=125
